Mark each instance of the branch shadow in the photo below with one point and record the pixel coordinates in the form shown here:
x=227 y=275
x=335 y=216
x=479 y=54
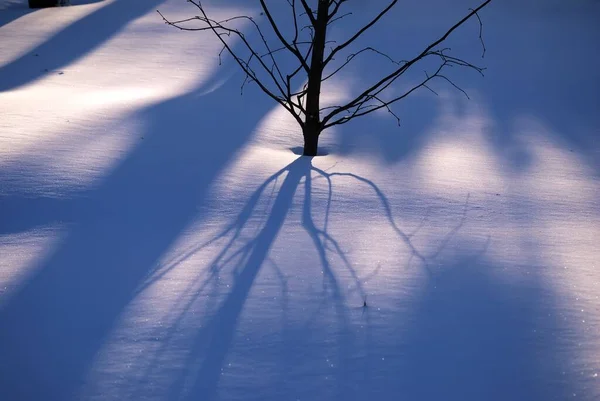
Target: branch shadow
x=244 y=254
x=58 y=319
x=468 y=331
x=472 y=332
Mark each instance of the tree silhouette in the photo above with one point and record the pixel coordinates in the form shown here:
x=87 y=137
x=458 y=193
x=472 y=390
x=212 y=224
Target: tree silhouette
x=297 y=86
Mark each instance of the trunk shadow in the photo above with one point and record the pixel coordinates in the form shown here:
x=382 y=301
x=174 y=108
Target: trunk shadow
x=244 y=255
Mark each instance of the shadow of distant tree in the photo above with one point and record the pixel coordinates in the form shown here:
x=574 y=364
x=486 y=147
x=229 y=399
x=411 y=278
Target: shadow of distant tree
x=468 y=336
x=477 y=338
x=115 y=234
x=13 y=10
x=72 y=42
x=556 y=98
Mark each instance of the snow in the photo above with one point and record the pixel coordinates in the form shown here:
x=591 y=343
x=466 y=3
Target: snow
x=160 y=239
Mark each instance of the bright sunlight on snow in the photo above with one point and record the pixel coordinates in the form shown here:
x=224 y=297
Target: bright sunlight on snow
x=161 y=238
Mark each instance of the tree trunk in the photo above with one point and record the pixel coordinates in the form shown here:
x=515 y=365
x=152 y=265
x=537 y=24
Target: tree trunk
x=311 y=139
x=312 y=123
x=42 y=3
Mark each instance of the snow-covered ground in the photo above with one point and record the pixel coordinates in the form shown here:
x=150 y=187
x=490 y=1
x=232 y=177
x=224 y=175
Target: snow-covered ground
x=160 y=239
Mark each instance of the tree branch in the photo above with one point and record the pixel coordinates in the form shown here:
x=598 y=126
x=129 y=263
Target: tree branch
x=273 y=24
x=390 y=78
x=220 y=30
x=360 y=32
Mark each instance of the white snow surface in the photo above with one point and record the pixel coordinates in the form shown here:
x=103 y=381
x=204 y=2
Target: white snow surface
x=160 y=238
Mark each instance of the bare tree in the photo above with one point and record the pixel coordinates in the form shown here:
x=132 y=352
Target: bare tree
x=297 y=87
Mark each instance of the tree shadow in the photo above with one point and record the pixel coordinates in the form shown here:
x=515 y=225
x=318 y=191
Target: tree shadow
x=243 y=251
x=55 y=323
x=13 y=10
x=52 y=327
x=470 y=336
x=381 y=133
x=385 y=137
x=467 y=334
x=209 y=348
x=477 y=338
x=525 y=81
x=473 y=335
x=72 y=42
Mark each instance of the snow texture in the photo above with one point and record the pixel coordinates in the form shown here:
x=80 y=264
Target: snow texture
x=160 y=238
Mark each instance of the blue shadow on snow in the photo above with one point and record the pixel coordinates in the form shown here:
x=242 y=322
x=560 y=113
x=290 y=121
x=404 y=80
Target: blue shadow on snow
x=53 y=326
